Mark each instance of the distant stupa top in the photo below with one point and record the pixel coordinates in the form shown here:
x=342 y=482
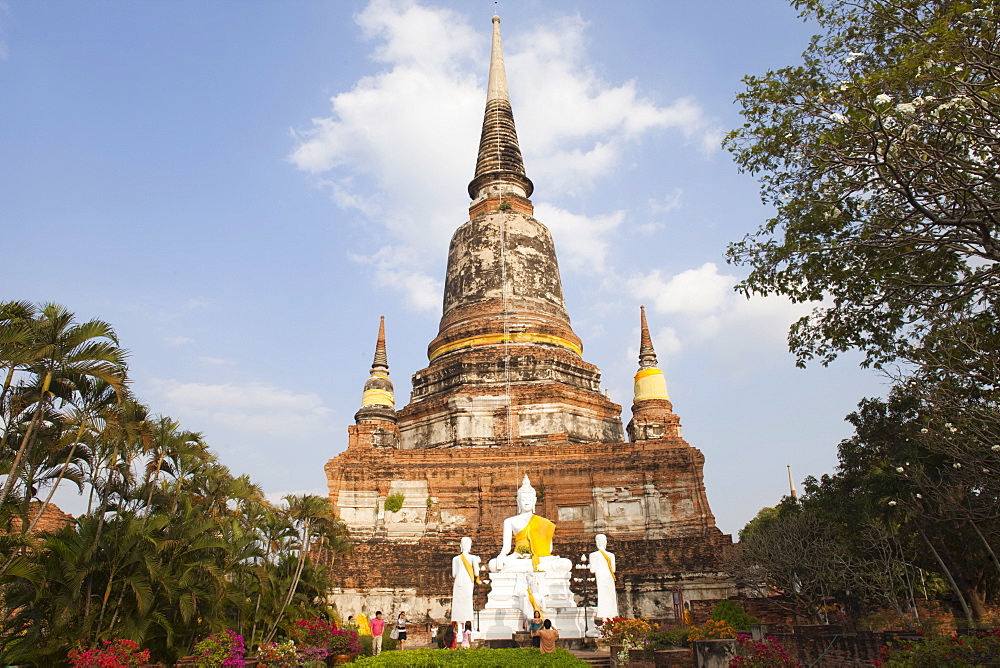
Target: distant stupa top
x=499 y=167
x=649 y=380
x=378 y=401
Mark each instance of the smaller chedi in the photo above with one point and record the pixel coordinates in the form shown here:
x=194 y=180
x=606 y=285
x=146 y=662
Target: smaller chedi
x=526 y=577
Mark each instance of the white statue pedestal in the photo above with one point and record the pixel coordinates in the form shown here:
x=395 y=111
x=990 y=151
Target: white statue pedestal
x=507 y=605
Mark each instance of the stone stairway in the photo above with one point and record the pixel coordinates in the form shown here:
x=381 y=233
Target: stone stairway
x=593 y=658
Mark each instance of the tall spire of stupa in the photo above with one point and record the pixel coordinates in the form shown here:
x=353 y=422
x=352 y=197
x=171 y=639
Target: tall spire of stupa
x=499 y=167
x=378 y=402
x=506 y=366
x=652 y=412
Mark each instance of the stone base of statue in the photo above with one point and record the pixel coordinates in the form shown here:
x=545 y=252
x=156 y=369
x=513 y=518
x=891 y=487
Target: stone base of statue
x=509 y=605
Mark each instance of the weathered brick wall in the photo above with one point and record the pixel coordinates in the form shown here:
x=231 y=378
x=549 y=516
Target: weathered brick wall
x=831 y=647
x=52 y=519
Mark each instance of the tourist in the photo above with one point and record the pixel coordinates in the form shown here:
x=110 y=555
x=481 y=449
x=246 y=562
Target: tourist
x=467 y=636
x=377 y=626
x=449 y=635
x=401 y=630
x=533 y=628
x=350 y=622
x=433 y=634
x=548 y=636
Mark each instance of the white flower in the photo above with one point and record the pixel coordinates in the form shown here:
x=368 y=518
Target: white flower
x=899 y=469
x=844 y=85
x=986 y=470
x=905 y=108
x=786 y=197
x=920 y=496
x=852 y=56
x=838 y=118
x=952 y=429
x=885 y=99
x=924 y=430
x=917 y=101
x=947 y=424
x=892 y=503
x=995 y=448
x=956 y=465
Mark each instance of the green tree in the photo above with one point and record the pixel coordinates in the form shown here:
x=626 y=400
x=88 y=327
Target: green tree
x=879 y=154
x=55 y=354
x=896 y=474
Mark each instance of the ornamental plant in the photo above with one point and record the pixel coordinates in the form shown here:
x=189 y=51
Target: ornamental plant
x=766 y=653
x=953 y=651
x=733 y=614
x=313 y=633
x=278 y=655
x=220 y=649
x=344 y=641
x=711 y=630
x=618 y=630
x=120 y=653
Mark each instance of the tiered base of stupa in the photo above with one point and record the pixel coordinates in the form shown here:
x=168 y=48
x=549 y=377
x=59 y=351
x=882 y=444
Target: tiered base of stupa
x=647 y=497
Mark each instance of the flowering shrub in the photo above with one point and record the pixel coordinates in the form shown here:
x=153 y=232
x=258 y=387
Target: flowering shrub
x=119 y=653
x=221 y=649
x=761 y=654
x=617 y=630
x=312 y=655
x=951 y=651
x=711 y=630
x=344 y=642
x=278 y=655
x=314 y=633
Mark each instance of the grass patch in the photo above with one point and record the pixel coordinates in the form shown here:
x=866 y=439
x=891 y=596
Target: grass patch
x=488 y=658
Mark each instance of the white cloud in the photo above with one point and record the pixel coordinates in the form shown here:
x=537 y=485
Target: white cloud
x=396 y=144
x=248 y=407
x=581 y=241
x=393 y=267
x=702 y=304
x=174 y=341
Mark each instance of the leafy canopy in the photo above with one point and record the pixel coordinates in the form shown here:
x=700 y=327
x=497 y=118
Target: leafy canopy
x=879 y=153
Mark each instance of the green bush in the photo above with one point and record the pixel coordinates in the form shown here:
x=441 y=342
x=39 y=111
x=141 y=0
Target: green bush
x=479 y=658
x=733 y=614
x=951 y=651
x=394 y=501
x=666 y=639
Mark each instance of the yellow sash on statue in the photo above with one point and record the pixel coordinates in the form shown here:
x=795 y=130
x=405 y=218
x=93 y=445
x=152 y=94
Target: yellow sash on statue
x=611 y=569
x=468 y=569
x=536 y=537
x=534 y=606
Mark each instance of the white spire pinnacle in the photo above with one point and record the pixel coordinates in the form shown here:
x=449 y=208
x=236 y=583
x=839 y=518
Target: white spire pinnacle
x=497 y=89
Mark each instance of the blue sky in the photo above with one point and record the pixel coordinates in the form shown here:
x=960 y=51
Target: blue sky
x=242 y=188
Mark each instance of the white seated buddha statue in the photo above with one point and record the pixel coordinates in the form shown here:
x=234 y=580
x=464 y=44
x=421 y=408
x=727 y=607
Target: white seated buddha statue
x=527 y=539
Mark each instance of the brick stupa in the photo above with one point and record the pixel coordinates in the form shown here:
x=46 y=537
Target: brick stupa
x=508 y=393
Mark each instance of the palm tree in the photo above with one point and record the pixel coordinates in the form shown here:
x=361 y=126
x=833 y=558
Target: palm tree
x=58 y=353
x=95 y=398
x=306 y=513
x=15 y=337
